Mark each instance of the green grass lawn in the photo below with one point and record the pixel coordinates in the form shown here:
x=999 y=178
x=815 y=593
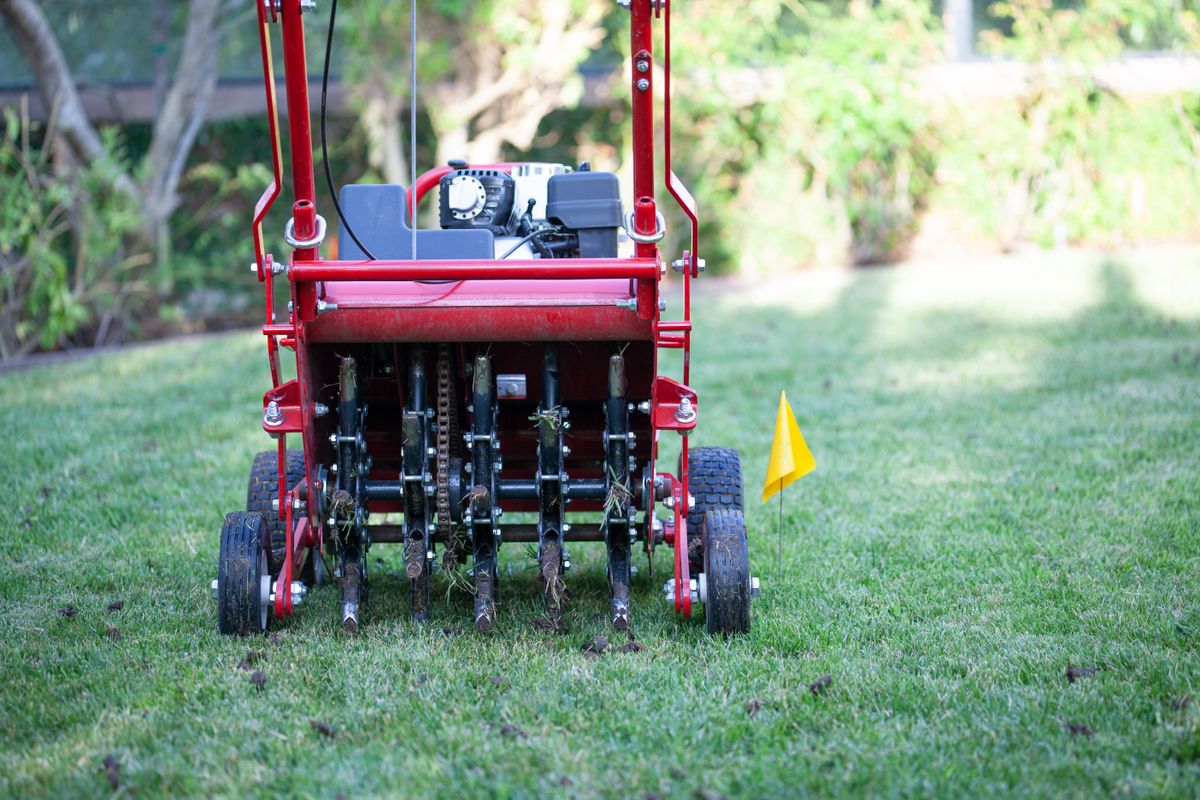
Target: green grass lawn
x=1007 y=484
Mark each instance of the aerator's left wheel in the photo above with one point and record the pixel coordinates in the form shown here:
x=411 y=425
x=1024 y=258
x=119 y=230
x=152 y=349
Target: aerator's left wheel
x=243 y=580
x=726 y=573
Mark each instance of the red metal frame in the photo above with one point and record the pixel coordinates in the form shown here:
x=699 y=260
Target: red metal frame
x=312 y=279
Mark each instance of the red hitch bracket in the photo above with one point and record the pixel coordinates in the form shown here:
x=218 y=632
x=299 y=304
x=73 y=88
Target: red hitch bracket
x=281 y=409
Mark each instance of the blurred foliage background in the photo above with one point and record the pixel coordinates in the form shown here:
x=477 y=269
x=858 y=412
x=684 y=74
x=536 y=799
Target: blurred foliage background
x=846 y=131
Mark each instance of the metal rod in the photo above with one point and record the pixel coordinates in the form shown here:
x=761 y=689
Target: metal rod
x=518 y=489
x=571 y=269
x=517 y=532
x=412 y=124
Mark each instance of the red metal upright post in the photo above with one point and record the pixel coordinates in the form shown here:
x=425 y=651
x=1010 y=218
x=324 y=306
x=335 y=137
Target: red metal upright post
x=299 y=126
x=642 y=93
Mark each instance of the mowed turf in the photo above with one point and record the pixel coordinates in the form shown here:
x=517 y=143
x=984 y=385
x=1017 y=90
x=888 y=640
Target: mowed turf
x=1007 y=486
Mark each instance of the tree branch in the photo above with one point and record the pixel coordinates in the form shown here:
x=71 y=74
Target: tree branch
x=39 y=46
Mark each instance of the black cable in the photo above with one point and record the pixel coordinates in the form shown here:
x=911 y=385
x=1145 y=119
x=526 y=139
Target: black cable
x=324 y=151
x=526 y=240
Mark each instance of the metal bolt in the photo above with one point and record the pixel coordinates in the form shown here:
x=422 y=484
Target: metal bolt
x=468 y=468
x=273 y=415
x=700 y=265
x=566 y=451
x=320 y=409
x=275 y=504
x=566 y=527
x=333 y=439
x=566 y=565
x=643 y=65
x=643 y=84
x=333 y=469
x=662 y=304
x=566 y=425
x=295 y=504
x=686 y=412
x=678 y=264
x=431 y=452
x=213 y=589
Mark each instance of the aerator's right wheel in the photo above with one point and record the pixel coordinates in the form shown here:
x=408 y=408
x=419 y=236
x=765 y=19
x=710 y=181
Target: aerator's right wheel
x=243 y=579
x=726 y=572
x=715 y=481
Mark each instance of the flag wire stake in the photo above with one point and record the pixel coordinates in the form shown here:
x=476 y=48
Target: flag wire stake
x=779 y=530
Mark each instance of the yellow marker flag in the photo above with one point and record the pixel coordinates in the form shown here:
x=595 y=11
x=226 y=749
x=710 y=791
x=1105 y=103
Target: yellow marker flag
x=790 y=457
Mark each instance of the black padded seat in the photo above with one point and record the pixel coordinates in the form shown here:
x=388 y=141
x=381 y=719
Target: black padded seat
x=379 y=215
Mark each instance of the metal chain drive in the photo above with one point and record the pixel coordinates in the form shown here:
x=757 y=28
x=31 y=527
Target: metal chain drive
x=444 y=401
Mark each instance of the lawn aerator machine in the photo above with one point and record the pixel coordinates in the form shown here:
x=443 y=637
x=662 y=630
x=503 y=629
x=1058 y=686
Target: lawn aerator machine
x=451 y=381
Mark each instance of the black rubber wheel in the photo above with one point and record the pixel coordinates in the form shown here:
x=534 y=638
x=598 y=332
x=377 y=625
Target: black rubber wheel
x=262 y=491
x=726 y=573
x=715 y=480
x=243 y=580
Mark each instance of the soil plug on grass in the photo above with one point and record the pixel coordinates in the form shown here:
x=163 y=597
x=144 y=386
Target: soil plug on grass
x=512 y=731
x=753 y=707
x=68 y=611
x=114 y=634
x=548 y=623
x=322 y=728
x=112 y=771
x=1075 y=673
x=595 y=648
x=258 y=680
x=116 y=605
x=1080 y=730
x=819 y=686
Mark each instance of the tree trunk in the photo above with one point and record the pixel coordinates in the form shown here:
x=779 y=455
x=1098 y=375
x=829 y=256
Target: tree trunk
x=38 y=45
x=385 y=135
x=175 y=129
